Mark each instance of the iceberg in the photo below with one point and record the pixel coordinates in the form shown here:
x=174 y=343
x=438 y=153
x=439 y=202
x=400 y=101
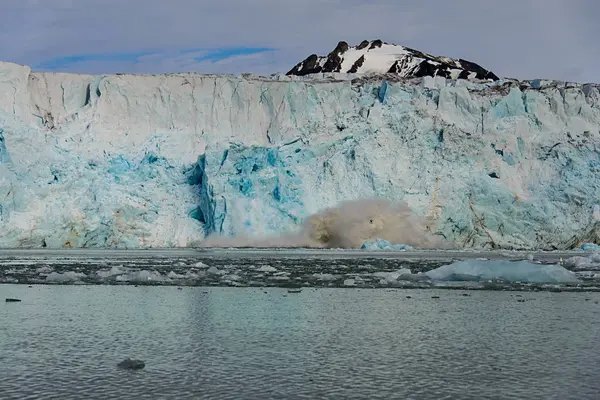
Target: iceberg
x=124 y=161
x=65 y=277
x=384 y=245
x=589 y=263
x=502 y=270
x=590 y=247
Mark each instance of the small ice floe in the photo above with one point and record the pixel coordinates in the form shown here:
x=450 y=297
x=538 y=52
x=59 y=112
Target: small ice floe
x=128 y=363
x=115 y=270
x=590 y=247
x=390 y=277
x=266 y=268
x=232 y=277
x=324 y=277
x=384 y=245
x=67 y=276
x=201 y=265
x=579 y=263
x=174 y=275
x=44 y=269
x=142 y=277
x=214 y=271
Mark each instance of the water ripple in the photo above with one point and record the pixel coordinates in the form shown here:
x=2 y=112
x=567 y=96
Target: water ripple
x=63 y=342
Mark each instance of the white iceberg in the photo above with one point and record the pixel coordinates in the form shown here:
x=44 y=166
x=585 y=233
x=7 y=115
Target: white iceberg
x=67 y=276
x=502 y=270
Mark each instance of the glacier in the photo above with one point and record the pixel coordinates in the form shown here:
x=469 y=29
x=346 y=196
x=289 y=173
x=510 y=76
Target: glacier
x=137 y=161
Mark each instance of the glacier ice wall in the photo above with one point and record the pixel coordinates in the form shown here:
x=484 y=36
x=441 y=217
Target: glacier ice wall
x=148 y=161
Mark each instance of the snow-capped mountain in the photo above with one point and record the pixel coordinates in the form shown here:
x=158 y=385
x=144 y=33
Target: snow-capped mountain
x=379 y=57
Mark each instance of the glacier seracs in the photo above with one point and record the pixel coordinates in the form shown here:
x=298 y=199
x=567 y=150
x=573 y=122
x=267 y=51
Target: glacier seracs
x=160 y=161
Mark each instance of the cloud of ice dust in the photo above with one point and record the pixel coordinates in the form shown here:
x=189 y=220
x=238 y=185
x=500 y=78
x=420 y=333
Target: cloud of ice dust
x=348 y=225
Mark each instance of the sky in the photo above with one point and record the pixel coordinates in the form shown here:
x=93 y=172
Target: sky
x=526 y=39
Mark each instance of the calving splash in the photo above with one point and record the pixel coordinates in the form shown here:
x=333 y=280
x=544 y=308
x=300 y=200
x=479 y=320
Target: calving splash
x=350 y=225
x=126 y=161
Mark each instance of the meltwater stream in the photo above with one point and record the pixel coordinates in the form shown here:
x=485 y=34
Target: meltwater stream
x=64 y=342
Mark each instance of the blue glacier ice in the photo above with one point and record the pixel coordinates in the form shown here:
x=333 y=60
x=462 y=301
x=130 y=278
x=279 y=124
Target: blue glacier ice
x=163 y=161
x=384 y=245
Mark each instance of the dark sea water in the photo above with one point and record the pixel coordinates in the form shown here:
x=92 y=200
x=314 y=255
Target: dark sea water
x=64 y=342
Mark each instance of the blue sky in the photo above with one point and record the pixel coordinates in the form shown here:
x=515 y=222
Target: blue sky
x=517 y=38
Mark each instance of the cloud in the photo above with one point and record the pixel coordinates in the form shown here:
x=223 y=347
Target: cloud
x=521 y=38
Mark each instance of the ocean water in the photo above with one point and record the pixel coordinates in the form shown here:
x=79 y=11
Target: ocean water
x=64 y=342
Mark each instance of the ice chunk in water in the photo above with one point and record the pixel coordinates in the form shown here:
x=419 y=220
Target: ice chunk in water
x=142 y=276
x=200 y=264
x=578 y=263
x=508 y=271
x=267 y=268
x=67 y=276
x=384 y=245
x=590 y=247
x=401 y=274
x=115 y=270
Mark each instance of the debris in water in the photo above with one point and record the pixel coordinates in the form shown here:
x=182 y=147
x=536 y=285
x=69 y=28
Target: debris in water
x=128 y=363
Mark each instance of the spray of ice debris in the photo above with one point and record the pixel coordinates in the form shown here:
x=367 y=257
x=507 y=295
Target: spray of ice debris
x=349 y=225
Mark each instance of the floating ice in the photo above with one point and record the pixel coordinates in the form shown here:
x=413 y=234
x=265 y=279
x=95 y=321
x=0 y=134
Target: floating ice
x=215 y=271
x=68 y=276
x=115 y=270
x=579 y=263
x=590 y=247
x=267 y=268
x=508 y=271
x=401 y=274
x=325 y=277
x=142 y=276
x=200 y=264
x=384 y=245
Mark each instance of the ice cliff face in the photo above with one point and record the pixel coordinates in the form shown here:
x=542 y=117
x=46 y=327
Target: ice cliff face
x=380 y=58
x=139 y=161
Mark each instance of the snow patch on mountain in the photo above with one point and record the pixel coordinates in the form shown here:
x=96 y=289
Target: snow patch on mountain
x=377 y=57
